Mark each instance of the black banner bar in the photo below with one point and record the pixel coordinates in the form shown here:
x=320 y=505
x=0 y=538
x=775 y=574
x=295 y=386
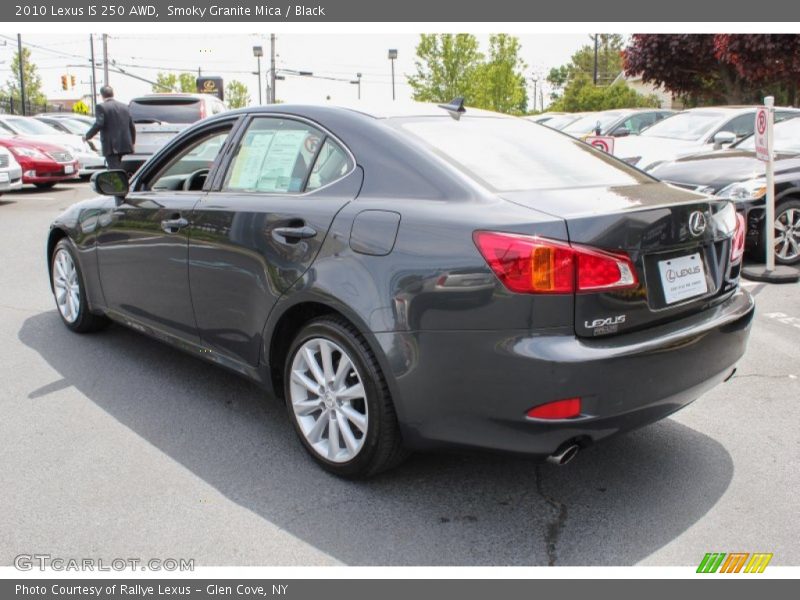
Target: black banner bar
x=440 y=11
x=397 y=589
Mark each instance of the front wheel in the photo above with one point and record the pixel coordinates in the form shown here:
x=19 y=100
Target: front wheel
x=338 y=400
x=70 y=292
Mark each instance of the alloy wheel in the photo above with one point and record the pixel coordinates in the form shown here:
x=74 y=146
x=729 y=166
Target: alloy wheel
x=66 y=286
x=787 y=234
x=328 y=400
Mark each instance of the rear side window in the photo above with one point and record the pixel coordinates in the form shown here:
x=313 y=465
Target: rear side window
x=507 y=154
x=332 y=163
x=274 y=155
x=167 y=110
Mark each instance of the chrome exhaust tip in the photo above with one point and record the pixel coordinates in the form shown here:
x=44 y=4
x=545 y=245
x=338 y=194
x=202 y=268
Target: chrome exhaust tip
x=563 y=455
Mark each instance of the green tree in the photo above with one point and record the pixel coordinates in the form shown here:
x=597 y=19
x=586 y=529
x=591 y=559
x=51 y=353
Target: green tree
x=500 y=81
x=446 y=66
x=609 y=64
x=582 y=95
x=187 y=82
x=33 y=82
x=236 y=94
x=175 y=82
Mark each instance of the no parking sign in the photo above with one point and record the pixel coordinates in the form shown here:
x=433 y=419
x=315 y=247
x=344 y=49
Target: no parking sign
x=602 y=142
x=762 y=134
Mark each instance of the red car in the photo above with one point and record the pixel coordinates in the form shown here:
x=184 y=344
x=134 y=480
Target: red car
x=42 y=164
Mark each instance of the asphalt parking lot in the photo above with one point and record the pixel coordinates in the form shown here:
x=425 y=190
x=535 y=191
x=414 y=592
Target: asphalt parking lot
x=114 y=445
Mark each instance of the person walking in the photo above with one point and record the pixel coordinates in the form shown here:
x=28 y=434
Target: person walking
x=117 y=132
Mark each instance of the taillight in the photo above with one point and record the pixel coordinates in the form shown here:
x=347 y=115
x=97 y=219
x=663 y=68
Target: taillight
x=534 y=265
x=737 y=244
x=560 y=409
x=202 y=110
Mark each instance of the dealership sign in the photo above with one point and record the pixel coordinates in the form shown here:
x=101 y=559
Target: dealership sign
x=762 y=134
x=210 y=85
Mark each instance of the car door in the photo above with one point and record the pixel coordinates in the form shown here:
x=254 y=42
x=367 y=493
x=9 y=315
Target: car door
x=258 y=231
x=143 y=245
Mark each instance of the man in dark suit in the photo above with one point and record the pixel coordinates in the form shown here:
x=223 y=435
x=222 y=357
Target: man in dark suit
x=117 y=132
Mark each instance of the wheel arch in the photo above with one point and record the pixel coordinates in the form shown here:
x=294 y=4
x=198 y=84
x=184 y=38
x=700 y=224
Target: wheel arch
x=284 y=324
x=56 y=235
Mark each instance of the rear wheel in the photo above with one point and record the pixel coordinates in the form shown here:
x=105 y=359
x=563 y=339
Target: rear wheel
x=70 y=292
x=787 y=232
x=339 y=402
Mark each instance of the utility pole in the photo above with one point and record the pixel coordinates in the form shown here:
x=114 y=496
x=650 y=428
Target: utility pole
x=535 y=81
x=596 y=41
x=94 y=74
x=105 y=59
x=21 y=73
x=272 y=68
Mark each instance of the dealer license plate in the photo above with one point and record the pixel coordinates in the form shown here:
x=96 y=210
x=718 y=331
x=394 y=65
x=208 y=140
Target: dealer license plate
x=69 y=169
x=682 y=278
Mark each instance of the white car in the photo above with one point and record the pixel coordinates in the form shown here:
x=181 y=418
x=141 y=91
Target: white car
x=10 y=172
x=689 y=132
x=28 y=127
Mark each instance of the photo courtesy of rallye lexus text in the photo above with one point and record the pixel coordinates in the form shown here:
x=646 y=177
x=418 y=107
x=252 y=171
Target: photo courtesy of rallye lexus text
x=423 y=277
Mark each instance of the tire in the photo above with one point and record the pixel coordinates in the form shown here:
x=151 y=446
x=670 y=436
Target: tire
x=67 y=283
x=787 y=215
x=44 y=186
x=374 y=443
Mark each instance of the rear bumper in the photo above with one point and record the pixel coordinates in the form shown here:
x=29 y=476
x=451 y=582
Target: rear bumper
x=474 y=388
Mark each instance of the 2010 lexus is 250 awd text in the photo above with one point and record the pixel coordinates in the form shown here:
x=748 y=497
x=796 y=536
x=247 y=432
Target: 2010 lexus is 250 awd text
x=422 y=277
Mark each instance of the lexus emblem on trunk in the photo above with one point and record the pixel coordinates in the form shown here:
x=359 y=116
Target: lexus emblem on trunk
x=697 y=223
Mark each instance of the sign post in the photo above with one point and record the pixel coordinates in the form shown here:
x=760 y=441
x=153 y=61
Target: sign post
x=765 y=151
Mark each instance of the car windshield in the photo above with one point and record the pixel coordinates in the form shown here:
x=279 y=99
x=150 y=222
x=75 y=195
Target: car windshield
x=30 y=127
x=74 y=126
x=687 y=126
x=786 y=138
x=588 y=123
x=560 y=121
x=506 y=154
x=167 y=110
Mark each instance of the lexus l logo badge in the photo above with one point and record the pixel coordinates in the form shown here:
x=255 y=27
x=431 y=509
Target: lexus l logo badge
x=697 y=223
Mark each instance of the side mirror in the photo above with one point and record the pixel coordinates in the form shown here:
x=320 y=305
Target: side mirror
x=110 y=183
x=621 y=132
x=723 y=138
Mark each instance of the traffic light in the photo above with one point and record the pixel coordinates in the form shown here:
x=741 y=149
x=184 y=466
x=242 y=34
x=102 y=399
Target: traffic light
x=64 y=85
x=72 y=80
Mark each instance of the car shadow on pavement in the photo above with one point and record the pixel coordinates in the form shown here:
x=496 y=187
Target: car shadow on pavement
x=615 y=504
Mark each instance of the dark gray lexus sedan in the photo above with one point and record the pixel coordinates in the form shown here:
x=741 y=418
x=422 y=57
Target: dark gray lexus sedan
x=424 y=277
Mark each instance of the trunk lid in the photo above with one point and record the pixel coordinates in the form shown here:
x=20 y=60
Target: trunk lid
x=680 y=268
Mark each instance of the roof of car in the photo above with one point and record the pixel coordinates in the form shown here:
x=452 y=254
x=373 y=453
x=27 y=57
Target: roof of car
x=387 y=110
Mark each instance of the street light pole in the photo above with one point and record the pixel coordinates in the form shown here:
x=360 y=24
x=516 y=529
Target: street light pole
x=21 y=73
x=357 y=81
x=258 y=52
x=392 y=57
x=272 y=68
x=596 y=41
x=535 y=81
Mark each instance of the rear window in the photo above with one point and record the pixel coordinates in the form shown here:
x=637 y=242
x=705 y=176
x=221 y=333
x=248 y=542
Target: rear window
x=167 y=110
x=506 y=154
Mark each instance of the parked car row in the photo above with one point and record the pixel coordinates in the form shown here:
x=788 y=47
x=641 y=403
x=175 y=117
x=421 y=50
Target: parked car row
x=710 y=150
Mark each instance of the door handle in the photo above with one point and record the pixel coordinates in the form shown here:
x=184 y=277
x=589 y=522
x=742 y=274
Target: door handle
x=292 y=235
x=174 y=225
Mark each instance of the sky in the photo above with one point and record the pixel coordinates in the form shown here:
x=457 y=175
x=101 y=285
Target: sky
x=338 y=56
